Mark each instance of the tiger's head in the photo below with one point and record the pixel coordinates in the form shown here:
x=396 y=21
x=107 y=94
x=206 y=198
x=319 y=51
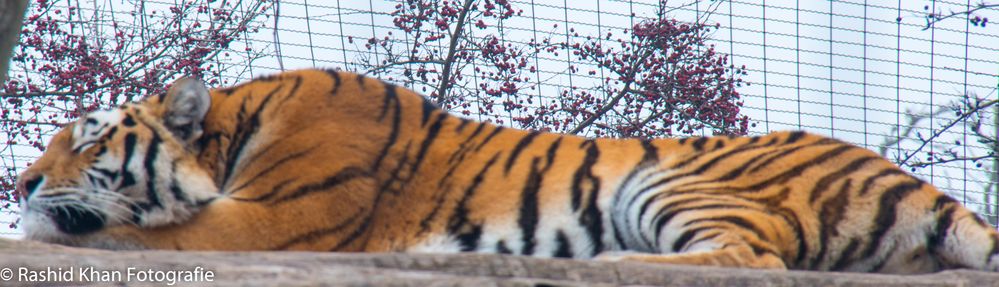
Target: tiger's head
x=133 y=165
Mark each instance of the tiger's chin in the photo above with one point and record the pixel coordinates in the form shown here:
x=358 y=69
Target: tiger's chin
x=78 y=227
x=102 y=239
x=72 y=227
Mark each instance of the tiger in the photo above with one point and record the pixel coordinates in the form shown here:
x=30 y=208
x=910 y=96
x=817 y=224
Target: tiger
x=327 y=160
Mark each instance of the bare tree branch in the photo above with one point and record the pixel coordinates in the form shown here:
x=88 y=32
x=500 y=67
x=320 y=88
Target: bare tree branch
x=613 y=102
x=11 y=14
x=449 y=60
x=937 y=16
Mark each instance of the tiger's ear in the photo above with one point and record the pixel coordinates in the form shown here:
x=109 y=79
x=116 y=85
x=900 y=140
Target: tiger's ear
x=185 y=107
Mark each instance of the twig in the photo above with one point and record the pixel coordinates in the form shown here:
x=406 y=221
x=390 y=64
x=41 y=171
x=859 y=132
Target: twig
x=458 y=29
x=277 y=40
x=934 y=18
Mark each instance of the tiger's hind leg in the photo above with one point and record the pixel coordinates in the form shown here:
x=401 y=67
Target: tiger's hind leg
x=720 y=246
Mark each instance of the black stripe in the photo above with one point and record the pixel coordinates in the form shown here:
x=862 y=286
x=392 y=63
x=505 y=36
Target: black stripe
x=103 y=182
x=469 y=239
x=441 y=193
x=127 y=179
x=360 y=80
x=698 y=171
x=342 y=176
x=650 y=152
x=488 y=138
x=107 y=173
x=149 y=163
x=869 y=182
x=687 y=235
x=663 y=218
x=846 y=258
x=111 y=132
x=794 y=137
x=447 y=175
x=698 y=144
x=760 y=250
x=563 y=247
x=273 y=166
x=527 y=219
x=886 y=216
x=356 y=234
x=502 y=249
x=336 y=79
x=390 y=97
x=478 y=129
x=465 y=145
x=428 y=108
x=524 y=141
x=939 y=237
x=128 y=121
x=826 y=181
x=461 y=126
x=394 y=174
x=734 y=220
x=432 y=133
x=438 y=205
x=799 y=169
x=396 y=121
x=278 y=142
x=245 y=130
x=92 y=179
x=101 y=149
x=943 y=201
x=665 y=215
x=771 y=156
x=552 y=149
x=788 y=174
x=719 y=143
x=266 y=78
x=317 y=233
x=832 y=213
x=591 y=218
x=739 y=171
x=206 y=139
x=799 y=231
x=291 y=92
x=177 y=193
x=225 y=91
x=703 y=238
x=585 y=169
x=662 y=196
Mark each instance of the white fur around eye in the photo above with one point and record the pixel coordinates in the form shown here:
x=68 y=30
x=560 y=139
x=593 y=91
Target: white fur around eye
x=93 y=126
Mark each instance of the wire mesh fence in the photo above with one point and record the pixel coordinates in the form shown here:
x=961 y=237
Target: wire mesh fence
x=907 y=79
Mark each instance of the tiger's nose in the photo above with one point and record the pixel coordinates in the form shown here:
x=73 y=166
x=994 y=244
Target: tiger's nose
x=27 y=185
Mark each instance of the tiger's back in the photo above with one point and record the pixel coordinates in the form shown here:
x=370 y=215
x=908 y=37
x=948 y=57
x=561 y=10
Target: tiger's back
x=321 y=160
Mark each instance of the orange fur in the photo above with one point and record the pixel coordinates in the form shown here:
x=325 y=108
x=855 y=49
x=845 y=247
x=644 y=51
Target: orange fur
x=332 y=161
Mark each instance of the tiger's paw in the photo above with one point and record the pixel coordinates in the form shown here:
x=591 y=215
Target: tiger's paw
x=618 y=256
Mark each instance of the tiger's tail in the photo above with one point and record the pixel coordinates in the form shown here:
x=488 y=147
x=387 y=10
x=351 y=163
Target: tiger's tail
x=961 y=239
